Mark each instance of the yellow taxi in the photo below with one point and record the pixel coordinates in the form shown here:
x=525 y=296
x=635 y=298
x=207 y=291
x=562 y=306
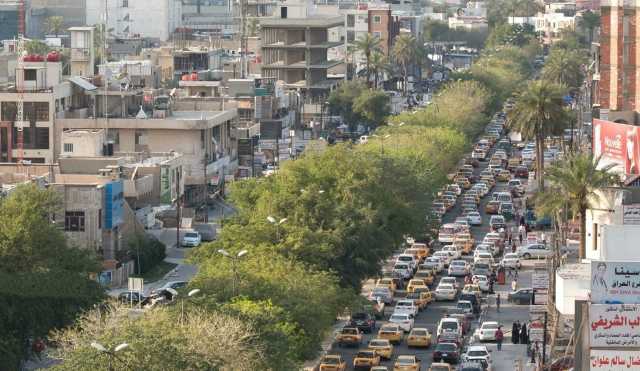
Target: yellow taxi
x=419 y=337
x=414 y=284
x=471 y=289
x=386 y=282
x=349 y=336
x=423 y=249
x=366 y=358
x=391 y=332
x=418 y=298
x=332 y=362
x=419 y=254
x=426 y=275
x=504 y=176
x=463 y=182
x=382 y=347
x=407 y=363
x=426 y=293
x=440 y=366
x=465 y=242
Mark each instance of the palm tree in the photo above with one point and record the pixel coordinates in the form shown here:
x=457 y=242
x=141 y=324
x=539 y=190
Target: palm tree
x=573 y=184
x=368 y=44
x=538 y=113
x=589 y=21
x=54 y=25
x=404 y=51
x=379 y=64
x=564 y=67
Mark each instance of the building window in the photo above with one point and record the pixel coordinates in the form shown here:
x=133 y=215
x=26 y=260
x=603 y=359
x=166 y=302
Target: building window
x=125 y=3
x=68 y=147
x=100 y=219
x=377 y=34
x=30 y=75
x=74 y=221
x=377 y=19
x=9 y=111
x=351 y=20
x=595 y=236
x=42 y=138
x=351 y=36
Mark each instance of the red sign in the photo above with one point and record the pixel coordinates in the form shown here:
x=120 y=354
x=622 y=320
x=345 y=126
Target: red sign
x=618 y=144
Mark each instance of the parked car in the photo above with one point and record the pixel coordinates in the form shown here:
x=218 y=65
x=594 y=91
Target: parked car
x=132 y=297
x=191 y=239
x=487 y=331
x=382 y=294
x=534 y=250
x=522 y=296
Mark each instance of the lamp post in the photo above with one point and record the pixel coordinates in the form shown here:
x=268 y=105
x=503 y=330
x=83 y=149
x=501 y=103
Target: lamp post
x=277 y=223
x=190 y=294
x=234 y=267
x=396 y=126
x=382 y=139
x=111 y=353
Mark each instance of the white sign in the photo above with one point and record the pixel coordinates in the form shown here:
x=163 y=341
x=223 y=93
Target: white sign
x=136 y=284
x=540 y=297
x=540 y=280
x=615 y=282
x=614 y=325
x=615 y=360
x=631 y=214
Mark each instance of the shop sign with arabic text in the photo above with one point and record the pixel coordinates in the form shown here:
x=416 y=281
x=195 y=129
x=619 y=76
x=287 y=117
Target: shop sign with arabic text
x=615 y=360
x=615 y=282
x=614 y=325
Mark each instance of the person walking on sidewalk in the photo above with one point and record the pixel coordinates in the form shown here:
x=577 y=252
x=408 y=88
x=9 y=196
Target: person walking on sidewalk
x=514 y=284
x=498 y=303
x=515 y=332
x=499 y=337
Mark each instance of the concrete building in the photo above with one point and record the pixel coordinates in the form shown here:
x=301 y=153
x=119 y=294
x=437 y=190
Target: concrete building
x=82 y=58
x=469 y=23
x=9 y=19
x=130 y=18
x=46 y=97
x=550 y=25
x=73 y=13
x=295 y=46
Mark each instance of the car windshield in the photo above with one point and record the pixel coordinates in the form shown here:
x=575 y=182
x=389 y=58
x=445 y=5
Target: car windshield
x=399 y=317
x=445 y=287
x=464 y=305
x=378 y=343
x=405 y=258
x=365 y=355
x=476 y=353
x=405 y=361
x=482 y=266
x=433 y=260
x=401 y=266
x=490 y=326
x=450 y=325
x=419 y=332
x=446 y=347
x=191 y=235
x=331 y=360
x=350 y=331
x=461 y=263
x=450 y=280
x=511 y=256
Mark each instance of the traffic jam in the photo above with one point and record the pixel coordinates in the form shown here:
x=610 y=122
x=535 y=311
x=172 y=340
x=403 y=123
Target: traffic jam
x=428 y=309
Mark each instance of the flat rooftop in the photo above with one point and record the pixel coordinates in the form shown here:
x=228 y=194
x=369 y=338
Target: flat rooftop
x=311 y=22
x=81 y=179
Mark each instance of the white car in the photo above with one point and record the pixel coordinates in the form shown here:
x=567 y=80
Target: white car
x=449 y=281
x=453 y=251
x=484 y=247
x=487 y=331
x=483 y=256
x=445 y=292
x=406 y=306
x=404 y=320
x=479 y=154
x=463 y=220
x=433 y=263
x=482 y=282
x=444 y=257
x=511 y=260
x=403 y=270
x=449 y=324
x=408 y=259
x=477 y=352
x=474 y=218
x=191 y=239
x=528 y=154
x=534 y=250
x=459 y=268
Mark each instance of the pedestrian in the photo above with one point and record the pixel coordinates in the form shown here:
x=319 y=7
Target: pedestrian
x=498 y=303
x=499 y=337
x=524 y=335
x=521 y=220
x=491 y=286
x=520 y=237
x=534 y=352
x=523 y=232
x=514 y=284
x=515 y=332
x=510 y=240
x=513 y=247
x=543 y=238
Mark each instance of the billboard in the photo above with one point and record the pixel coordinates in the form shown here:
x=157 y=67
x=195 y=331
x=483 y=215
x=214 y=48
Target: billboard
x=114 y=204
x=615 y=282
x=618 y=144
x=614 y=325
x=615 y=360
x=631 y=214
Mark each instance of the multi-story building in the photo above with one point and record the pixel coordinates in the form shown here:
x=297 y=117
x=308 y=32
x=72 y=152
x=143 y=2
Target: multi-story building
x=73 y=13
x=45 y=97
x=9 y=19
x=82 y=58
x=127 y=18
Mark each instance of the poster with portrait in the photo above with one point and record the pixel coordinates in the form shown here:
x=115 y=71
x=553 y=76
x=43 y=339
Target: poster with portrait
x=614 y=325
x=618 y=144
x=615 y=282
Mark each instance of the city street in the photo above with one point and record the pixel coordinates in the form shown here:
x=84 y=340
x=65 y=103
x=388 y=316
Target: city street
x=511 y=354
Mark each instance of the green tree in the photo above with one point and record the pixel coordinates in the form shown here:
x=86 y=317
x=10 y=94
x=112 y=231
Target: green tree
x=145 y=250
x=341 y=101
x=498 y=11
x=373 y=106
x=574 y=183
x=44 y=282
x=589 y=21
x=564 y=67
x=368 y=44
x=538 y=113
x=36 y=47
x=158 y=339
x=54 y=25
x=404 y=53
x=379 y=64
x=434 y=31
x=508 y=34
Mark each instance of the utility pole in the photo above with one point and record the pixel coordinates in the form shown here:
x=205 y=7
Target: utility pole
x=206 y=189
x=178 y=216
x=544 y=340
x=243 y=39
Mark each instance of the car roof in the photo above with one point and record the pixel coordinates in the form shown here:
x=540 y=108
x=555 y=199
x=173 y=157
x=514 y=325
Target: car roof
x=477 y=347
x=489 y=323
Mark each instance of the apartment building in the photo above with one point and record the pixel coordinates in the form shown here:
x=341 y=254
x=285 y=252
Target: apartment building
x=8 y=19
x=46 y=96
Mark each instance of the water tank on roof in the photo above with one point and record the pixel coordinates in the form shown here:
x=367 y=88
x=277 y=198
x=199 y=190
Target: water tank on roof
x=216 y=75
x=194 y=76
x=53 y=56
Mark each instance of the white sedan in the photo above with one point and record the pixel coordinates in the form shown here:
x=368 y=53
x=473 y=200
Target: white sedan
x=482 y=282
x=534 y=250
x=444 y=257
x=445 y=292
x=487 y=331
x=453 y=250
x=483 y=256
x=433 y=263
x=511 y=260
x=404 y=320
x=474 y=218
x=459 y=268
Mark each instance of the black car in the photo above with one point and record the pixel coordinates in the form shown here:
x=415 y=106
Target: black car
x=522 y=296
x=446 y=352
x=128 y=297
x=363 y=321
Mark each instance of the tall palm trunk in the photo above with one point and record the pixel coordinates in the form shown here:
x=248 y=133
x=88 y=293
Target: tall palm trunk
x=368 y=57
x=405 y=73
x=375 y=79
x=540 y=161
x=583 y=234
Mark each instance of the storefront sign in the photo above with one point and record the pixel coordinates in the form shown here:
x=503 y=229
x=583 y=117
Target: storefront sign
x=618 y=144
x=615 y=282
x=615 y=360
x=631 y=214
x=614 y=325
x=540 y=280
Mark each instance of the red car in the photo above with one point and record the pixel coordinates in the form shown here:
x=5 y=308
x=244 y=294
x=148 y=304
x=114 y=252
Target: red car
x=521 y=172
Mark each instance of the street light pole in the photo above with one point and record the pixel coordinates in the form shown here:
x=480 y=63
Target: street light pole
x=234 y=268
x=190 y=294
x=111 y=353
x=277 y=223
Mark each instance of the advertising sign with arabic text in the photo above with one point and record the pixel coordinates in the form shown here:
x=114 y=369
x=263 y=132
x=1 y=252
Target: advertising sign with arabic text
x=614 y=360
x=618 y=144
x=614 y=325
x=615 y=282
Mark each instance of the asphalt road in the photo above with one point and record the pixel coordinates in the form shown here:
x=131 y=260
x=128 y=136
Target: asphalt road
x=431 y=315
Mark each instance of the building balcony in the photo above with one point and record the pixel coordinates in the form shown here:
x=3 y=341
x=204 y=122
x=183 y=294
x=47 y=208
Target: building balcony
x=303 y=45
x=321 y=65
